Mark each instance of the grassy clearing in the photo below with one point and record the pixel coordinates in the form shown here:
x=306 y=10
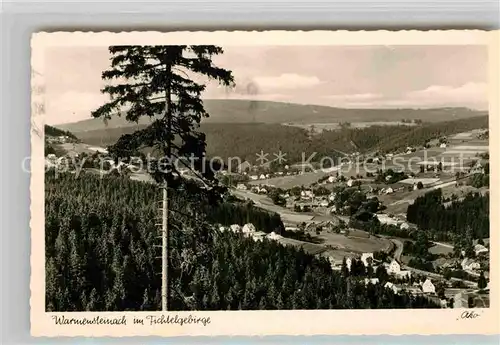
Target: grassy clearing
x=439 y=249
x=354 y=243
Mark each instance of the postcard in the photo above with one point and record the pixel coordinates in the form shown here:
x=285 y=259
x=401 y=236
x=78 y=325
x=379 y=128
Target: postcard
x=264 y=183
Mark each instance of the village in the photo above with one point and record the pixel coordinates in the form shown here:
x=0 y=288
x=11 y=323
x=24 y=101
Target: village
x=316 y=208
x=316 y=216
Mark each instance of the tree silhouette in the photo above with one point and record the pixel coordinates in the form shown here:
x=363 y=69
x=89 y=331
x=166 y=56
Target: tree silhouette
x=157 y=82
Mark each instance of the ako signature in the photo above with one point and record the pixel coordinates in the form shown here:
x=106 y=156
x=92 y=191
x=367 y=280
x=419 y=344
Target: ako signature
x=469 y=315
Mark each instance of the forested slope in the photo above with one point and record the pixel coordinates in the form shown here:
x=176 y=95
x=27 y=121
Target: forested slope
x=463 y=218
x=100 y=239
x=245 y=140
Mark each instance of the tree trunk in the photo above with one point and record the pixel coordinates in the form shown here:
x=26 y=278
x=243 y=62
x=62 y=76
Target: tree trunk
x=165 y=242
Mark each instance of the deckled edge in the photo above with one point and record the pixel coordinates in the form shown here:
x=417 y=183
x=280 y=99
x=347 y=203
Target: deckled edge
x=38 y=35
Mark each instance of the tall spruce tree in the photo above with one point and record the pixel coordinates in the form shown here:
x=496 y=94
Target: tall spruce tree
x=158 y=82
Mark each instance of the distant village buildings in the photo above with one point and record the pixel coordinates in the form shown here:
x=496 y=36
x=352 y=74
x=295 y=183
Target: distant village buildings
x=307 y=194
x=470 y=265
x=235 y=228
x=373 y=281
x=241 y=186
x=428 y=287
x=479 y=249
x=367 y=259
x=243 y=167
x=394 y=268
x=392 y=287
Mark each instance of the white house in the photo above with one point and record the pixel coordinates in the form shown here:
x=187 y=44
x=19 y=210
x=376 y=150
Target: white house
x=332 y=196
x=262 y=177
x=324 y=203
x=480 y=249
x=241 y=186
x=244 y=166
x=391 y=286
x=428 y=287
x=235 y=228
x=371 y=281
x=385 y=219
x=263 y=190
x=306 y=194
x=254 y=177
x=350 y=182
x=404 y=226
x=394 y=267
x=249 y=228
x=404 y=274
x=348 y=262
x=443 y=145
x=258 y=236
x=332 y=179
x=470 y=265
x=389 y=190
x=367 y=258
x=274 y=236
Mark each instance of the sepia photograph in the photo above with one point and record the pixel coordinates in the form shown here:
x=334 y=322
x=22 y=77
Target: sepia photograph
x=265 y=177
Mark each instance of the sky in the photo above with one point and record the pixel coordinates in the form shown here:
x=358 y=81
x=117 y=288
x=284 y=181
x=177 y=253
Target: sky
x=339 y=76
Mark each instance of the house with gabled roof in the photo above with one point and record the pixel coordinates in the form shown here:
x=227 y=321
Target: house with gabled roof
x=394 y=267
x=428 y=287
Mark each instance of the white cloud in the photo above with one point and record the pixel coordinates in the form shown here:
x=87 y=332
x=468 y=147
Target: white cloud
x=287 y=81
x=469 y=93
x=72 y=106
x=473 y=95
x=356 y=97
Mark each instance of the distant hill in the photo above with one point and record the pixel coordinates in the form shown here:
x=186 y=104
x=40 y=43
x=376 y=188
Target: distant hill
x=244 y=111
x=51 y=131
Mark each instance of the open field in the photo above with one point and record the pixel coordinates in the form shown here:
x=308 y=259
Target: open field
x=353 y=246
x=357 y=242
x=287 y=182
x=398 y=202
x=318 y=127
x=425 y=181
x=308 y=247
x=287 y=216
x=79 y=148
x=439 y=249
